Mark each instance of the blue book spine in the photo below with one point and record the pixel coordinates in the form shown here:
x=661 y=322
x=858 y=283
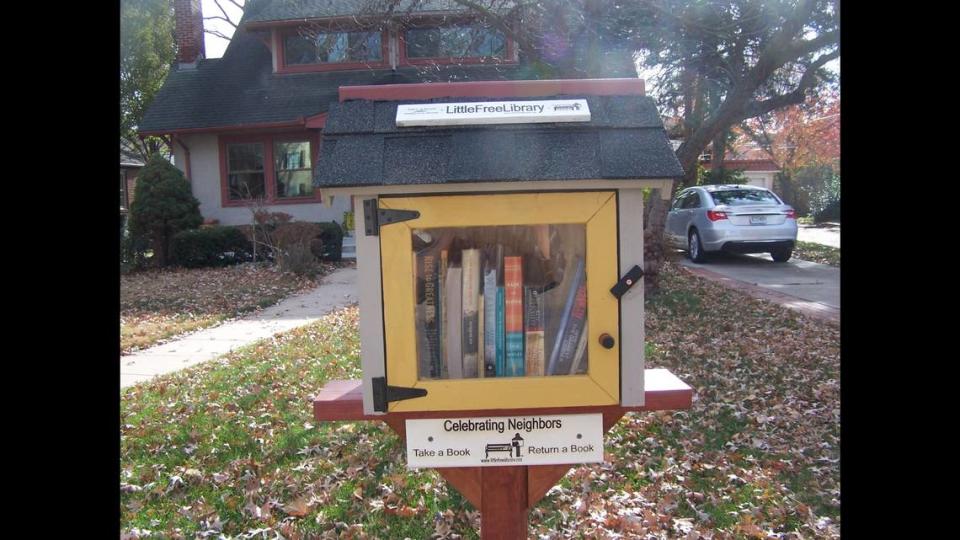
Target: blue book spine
x=501 y=337
x=567 y=308
x=490 y=323
x=515 y=360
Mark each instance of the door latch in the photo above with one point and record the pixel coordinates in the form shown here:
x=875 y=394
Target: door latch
x=627 y=281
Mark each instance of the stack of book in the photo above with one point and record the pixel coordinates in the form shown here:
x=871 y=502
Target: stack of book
x=477 y=318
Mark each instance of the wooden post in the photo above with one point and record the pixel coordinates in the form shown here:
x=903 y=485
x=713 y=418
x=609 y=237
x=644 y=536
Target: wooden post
x=503 y=512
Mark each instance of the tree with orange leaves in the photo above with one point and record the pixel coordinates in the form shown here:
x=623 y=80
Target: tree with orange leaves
x=804 y=141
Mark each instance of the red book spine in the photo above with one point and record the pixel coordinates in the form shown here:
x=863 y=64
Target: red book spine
x=513 y=316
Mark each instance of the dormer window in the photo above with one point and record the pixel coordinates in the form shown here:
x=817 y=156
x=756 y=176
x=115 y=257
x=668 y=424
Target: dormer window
x=332 y=50
x=451 y=43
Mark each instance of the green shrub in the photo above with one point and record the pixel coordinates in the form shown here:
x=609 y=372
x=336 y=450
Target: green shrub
x=212 y=246
x=132 y=252
x=825 y=199
x=299 y=259
x=331 y=234
x=728 y=176
x=163 y=205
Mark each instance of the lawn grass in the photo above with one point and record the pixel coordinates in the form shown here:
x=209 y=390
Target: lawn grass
x=159 y=304
x=230 y=446
x=818 y=253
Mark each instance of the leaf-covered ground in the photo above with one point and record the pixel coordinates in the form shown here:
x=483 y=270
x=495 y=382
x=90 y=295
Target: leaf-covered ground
x=229 y=449
x=818 y=253
x=159 y=304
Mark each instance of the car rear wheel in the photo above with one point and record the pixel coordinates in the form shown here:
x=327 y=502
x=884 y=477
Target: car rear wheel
x=781 y=255
x=695 y=248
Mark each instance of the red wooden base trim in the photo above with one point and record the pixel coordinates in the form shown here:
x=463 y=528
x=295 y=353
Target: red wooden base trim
x=503 y=514
x=341 y=400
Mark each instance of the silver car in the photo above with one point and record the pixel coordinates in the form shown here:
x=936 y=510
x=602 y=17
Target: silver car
x=731 y=218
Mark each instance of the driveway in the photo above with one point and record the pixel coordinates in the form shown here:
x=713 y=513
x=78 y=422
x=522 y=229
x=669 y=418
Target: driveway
x=808 y=287
x=827 y=234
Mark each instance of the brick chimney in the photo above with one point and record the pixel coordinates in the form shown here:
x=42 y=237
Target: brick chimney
x=189 y=32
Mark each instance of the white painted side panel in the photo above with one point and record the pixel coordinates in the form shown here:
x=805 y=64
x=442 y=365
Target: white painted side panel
x=632 y=332
x=371 y=306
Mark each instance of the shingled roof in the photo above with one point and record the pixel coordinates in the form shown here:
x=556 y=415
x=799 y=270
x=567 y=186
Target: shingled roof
x=287 y=10
x=362 y=146
x=241 y=89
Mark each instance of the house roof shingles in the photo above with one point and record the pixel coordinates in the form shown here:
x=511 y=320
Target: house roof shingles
x=291 y=10
x=624 y=139
x=241 y=89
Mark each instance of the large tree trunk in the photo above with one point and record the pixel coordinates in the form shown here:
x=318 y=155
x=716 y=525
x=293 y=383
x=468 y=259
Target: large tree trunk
x=653 y=248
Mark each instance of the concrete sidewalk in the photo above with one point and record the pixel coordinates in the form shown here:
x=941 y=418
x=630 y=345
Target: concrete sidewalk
x=337 y=289
x=811 y=288
x=827 y=234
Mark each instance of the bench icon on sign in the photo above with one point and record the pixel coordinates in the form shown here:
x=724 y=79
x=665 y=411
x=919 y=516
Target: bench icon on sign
x=506 y=447
x=572 y=107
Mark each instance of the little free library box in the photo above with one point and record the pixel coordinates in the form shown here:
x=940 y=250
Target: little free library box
x=499 y=230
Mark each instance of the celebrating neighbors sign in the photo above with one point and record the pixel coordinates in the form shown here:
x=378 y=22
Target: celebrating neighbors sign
x=498 y=441
x=493 y=112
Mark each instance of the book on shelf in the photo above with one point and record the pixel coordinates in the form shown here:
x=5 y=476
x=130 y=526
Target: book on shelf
x=577 y=366
x=471 y=295
x=533 y=330
x=501 y=347
x=571 y=333
x=513 y=317
x=490 y=322
x=428 y=282
x=481 y=365
x=454 y=322
x=442 y=312
x=554 y=366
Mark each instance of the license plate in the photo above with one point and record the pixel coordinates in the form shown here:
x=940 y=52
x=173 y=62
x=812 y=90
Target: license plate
x=758 y=220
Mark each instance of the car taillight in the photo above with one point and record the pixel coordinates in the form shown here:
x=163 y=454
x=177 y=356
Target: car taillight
x=791 y=214
x=713 y=215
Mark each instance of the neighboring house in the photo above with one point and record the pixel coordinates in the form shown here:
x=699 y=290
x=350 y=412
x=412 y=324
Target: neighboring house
x=130 y=166
x=755 y=163
x=249 y=124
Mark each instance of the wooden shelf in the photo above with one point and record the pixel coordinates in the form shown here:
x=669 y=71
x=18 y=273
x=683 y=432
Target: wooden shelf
x=341 y=400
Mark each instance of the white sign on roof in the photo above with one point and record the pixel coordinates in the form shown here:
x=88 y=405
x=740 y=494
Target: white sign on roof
x=493 y=112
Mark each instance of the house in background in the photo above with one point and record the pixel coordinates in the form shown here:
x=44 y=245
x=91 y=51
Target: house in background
x=130 y=166
x=754 y=162
x=248 y=124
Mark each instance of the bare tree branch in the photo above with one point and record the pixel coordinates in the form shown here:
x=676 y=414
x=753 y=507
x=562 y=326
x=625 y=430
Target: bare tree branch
x=219 y=18
x=498 y=22
x=226 y=16
x=797 y=96
x=217 y=33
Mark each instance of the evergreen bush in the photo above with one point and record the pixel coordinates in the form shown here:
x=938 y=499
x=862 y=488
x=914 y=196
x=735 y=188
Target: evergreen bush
x=163 y=205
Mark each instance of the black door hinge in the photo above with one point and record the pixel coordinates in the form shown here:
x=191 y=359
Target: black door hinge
x=627 y=281
x=375 y=217
x=384 y=394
